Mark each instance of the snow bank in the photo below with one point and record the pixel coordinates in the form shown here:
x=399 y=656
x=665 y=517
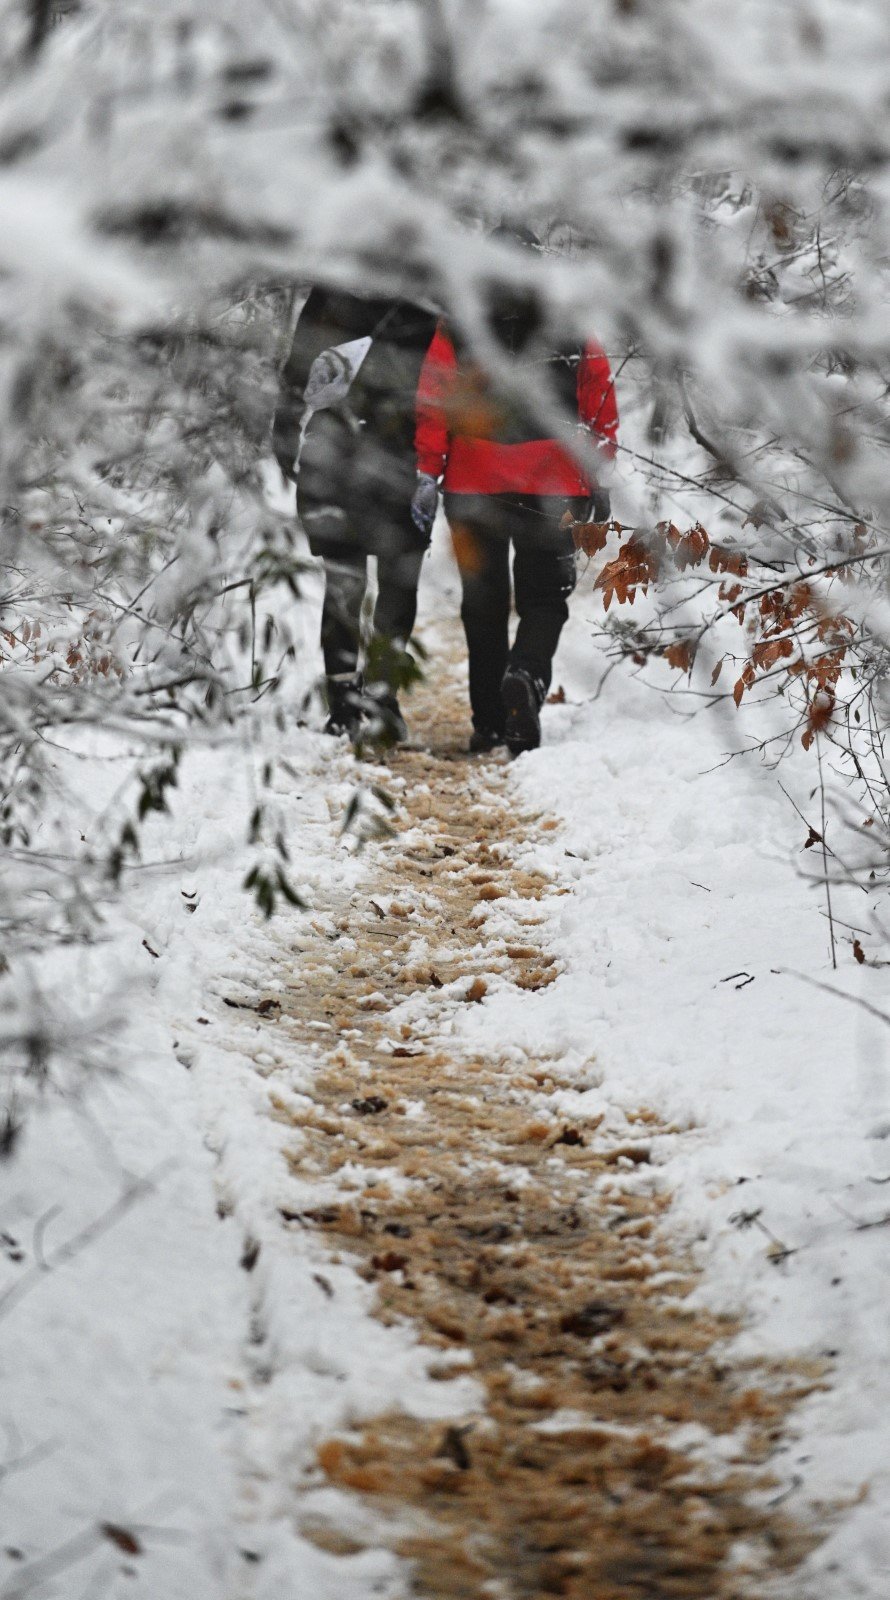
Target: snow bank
x=689 y=915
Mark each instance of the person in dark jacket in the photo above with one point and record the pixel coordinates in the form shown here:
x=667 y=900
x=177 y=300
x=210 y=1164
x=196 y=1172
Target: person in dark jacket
x=344 y=430
x=506 y=484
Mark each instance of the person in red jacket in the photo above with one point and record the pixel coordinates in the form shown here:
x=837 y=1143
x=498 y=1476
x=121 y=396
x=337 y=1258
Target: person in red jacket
x=506 y=483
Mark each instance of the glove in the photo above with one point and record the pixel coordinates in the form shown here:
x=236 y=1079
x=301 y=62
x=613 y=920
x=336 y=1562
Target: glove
x=424 y=503
x=600 y=508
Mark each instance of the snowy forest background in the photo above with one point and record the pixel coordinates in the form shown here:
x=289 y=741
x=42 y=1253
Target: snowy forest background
x=712 y=183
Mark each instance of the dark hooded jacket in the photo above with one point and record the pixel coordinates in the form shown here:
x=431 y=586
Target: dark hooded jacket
x=364 y=444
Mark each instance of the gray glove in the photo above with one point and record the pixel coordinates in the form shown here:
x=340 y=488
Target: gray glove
x=600 y=508
x=424 y=503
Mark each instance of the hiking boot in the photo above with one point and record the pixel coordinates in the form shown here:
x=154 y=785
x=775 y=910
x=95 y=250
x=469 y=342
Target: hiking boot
x=523 y=696
x=344 y=696
x=386 y=726
x=484 y=739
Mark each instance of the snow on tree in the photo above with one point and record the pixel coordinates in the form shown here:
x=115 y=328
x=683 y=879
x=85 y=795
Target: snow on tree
x=710 y=183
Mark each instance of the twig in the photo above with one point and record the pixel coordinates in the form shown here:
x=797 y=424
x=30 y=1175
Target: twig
x=75 y=1549
x=876 y=1222
x=825 y=854
x=29 y=1458
x=37 y=1572
x=87 y=1236
x=829 y=988
x=778 y=1252
x=848 y=879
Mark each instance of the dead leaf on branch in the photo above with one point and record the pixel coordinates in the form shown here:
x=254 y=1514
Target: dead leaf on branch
x=763 y=514
x=681 y=654
x=800 y=598
x=818 y=716
x=768 y=651
x=721 y=559
x=591 y=537
x=743 y=683
x=635 y=567
x=687 y=549
x=122 y=1537
x=640 y=559
x=836 y=630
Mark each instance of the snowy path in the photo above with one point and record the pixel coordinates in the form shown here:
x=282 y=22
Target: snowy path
x=607 y=1444
x=505 y=1242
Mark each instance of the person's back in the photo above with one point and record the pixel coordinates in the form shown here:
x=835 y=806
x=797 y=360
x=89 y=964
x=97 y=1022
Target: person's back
x=381 y=397
x=497 y=438
x=351 y=453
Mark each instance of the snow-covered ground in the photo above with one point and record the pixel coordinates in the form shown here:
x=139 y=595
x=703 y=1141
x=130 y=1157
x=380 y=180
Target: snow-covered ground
x=171 y=1379
x=693 y=923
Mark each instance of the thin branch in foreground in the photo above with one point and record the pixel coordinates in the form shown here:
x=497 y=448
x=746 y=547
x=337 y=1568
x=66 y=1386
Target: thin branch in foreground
x=129 y=1539
x=94 y=1230
x=829 y=988
x=822 y=840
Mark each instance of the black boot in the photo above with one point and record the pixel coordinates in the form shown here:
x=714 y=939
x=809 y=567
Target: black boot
x=386 y=725
x=523 y=696
x=484 y=739
x=344 y=695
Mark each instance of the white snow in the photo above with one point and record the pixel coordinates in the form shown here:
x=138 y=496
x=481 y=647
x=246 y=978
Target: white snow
x=678 y=945
x=175 y=1377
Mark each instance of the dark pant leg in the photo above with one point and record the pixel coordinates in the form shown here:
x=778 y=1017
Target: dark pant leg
x=345 y=581
x=483 y=548
x=382 y=509
x=354 y=496
x=543 y=578
x=345 y=567
x=398 y=576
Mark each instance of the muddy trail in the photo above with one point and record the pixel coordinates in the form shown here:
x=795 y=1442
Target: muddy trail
x=619 y=1452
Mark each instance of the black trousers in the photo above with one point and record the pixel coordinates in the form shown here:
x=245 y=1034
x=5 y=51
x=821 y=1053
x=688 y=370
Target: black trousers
x=484 y=528
x=354 y=500
x=345 y=562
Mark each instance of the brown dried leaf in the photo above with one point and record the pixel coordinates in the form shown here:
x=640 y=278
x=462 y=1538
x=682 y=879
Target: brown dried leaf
x=122 y=1537
x=590 y=537
x=723 y=560
x=635 y=567
x=768 y=651
x=689 y=549
x=680 y=654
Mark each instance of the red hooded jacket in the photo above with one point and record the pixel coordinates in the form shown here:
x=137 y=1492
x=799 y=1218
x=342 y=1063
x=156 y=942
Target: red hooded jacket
x=484 y=445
